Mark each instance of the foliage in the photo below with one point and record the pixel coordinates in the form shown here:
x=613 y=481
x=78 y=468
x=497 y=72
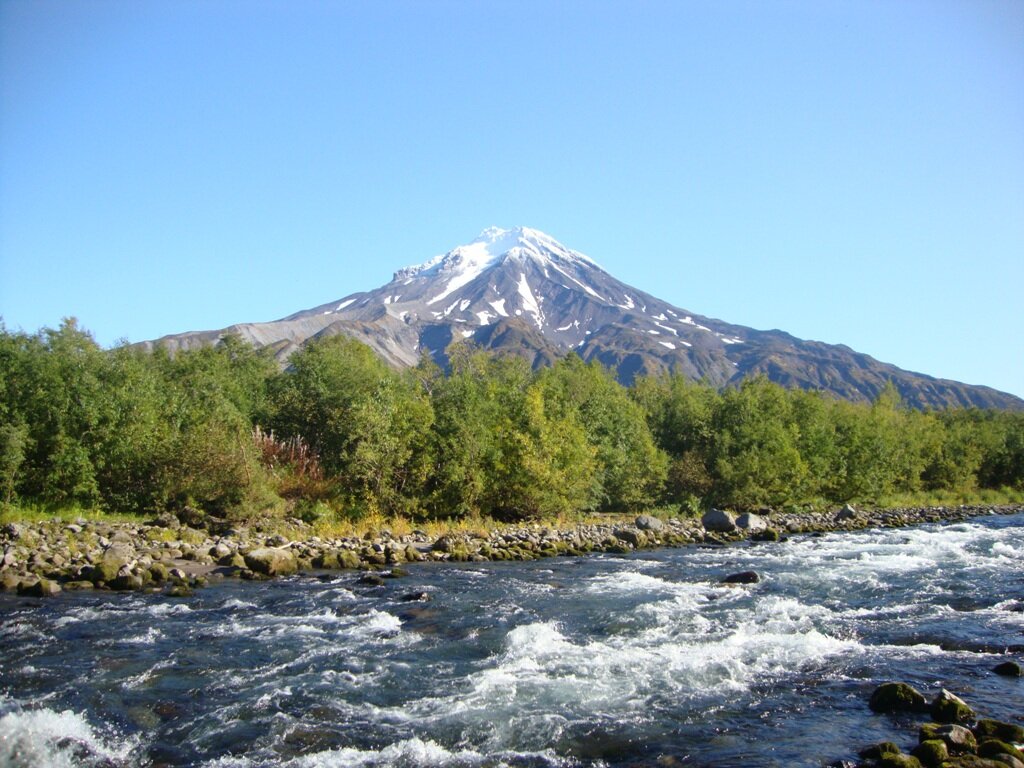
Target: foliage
x=340 y=437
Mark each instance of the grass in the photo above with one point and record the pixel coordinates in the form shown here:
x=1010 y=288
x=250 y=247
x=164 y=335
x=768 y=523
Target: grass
x=331 y=526
x=993 y=496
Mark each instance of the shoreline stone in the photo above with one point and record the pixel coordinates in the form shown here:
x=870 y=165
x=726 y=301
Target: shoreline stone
x=169 y=551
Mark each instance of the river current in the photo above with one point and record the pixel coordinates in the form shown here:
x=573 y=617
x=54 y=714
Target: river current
x=638 y=660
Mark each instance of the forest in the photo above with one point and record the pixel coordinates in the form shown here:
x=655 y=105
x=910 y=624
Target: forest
x=339 y=434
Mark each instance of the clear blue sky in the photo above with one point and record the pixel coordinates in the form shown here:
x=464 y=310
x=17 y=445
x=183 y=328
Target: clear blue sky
x=846 y=171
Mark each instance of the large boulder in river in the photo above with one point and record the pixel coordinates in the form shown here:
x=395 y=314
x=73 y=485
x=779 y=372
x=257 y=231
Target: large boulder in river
x=751 y=522
x=1008 y=669
x=271 y=561
x=950 y=708
x=718 y=521
x=897 y=697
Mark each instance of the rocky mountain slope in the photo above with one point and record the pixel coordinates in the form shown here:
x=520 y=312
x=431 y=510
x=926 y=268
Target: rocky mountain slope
x=519 y=290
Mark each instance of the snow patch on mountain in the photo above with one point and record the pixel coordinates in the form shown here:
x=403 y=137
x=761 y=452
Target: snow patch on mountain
x=529 y=300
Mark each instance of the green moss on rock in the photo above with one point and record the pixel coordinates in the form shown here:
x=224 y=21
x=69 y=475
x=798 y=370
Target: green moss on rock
x=897 y=697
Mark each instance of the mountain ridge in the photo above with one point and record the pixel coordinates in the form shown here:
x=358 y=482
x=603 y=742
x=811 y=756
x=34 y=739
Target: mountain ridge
x=521 y=291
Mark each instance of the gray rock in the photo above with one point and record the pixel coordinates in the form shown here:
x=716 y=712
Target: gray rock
x=719 y=521
x=848 y=512
x=271 y=561
x=649 y=523
x=751 y=522
x=958 y=739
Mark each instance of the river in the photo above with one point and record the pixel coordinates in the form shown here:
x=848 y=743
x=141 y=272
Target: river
x=638 y=660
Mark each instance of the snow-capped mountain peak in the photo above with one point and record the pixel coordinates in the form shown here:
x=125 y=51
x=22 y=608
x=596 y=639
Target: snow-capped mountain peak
x=488 y=248
x=522 y=292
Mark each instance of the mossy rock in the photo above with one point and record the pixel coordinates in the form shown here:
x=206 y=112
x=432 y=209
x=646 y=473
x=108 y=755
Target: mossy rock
x=39 y=588
x=932 y=753
x=958 y=739
x=999 y=730
x=180 y=590
x=897 y=697
x=129 y=582
x=891 y=760
x=876 y=751
x=992 y=748
x=159 y=572
x=768 y=534
x=78 y=585
x=949 y=708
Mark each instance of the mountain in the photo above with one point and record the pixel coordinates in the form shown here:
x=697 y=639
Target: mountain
x=521 y=291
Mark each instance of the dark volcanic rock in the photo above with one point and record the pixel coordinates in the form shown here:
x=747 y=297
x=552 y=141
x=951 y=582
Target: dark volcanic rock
x=1008 y=669
x=744 y=577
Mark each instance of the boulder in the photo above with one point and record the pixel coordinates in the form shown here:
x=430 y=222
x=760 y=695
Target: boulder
x=897 y=697
x=39 y=588
x=649 y=523
x=932 y=753
x=994 y=749
x=719 y=521
x=999 y=730
x=743 y=577
x=876 y=751
x=127 y=582
x=958 y=739
x=751 y=522
x=271 y=561
x=1008 y=669
x=950 y=708
x=848 y=512
x=371 y=580
x=635 y=538
x=768 y=534
x=415 y=597
x=895 y=760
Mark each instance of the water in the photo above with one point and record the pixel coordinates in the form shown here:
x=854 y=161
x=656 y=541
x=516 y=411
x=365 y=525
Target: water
x=597 y=661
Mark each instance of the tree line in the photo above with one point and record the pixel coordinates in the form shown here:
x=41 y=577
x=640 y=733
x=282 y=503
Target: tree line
x=222 y=428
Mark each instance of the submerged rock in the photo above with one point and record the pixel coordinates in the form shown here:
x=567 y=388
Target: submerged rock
x=897 y=697
x=1008 y=669
x=743 y=577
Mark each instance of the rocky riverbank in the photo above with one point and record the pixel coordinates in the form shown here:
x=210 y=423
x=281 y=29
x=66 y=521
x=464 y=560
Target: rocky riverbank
x=955 y=737
x=176 y=554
